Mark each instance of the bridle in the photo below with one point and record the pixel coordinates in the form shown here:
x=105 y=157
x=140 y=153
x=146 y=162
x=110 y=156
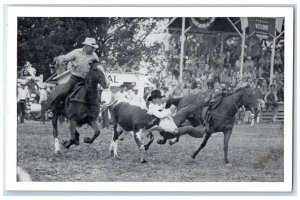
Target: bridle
x=243 y=93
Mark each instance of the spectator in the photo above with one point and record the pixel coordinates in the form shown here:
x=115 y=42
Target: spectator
x=178 y=91
x=121 y=95
x=23 y=96
x=271 y=98
x=187 y=90
x=238 y=64
x=227 y=60
x=43 y=102
x=280 y=92
x=217 y=86
x=249 y=65
x=31 y=70
x=262 y=62
x=259 y=93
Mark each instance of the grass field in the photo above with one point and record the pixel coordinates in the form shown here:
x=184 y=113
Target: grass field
x=256 y=154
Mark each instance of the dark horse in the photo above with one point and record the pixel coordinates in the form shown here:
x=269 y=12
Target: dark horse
x=222 y=117
x=80 y=107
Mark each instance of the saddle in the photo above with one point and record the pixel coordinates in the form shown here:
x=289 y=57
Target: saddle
x=215 y=102
x=78 y=94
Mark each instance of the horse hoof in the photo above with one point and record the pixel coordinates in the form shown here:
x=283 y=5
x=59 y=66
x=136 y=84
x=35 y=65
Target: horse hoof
x=111 y=153
x=162 y=141
x=193 y=156
x=228 y=165
x=66 y=143
x=76 y=142
x=117 y=157
x=171 y=143
x=144 y=161
x=88 y=140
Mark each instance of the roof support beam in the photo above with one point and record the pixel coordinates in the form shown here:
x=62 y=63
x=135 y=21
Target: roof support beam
x=237 y=30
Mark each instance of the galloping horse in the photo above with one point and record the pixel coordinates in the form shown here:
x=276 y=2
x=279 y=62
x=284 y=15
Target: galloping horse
x=80 y=107
x=222 y=117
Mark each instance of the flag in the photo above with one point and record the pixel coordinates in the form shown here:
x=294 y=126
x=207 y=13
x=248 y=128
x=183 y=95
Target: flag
x=278 y=23
x=244 y=22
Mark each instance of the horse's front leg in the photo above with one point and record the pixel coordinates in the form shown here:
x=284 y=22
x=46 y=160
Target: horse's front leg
x=74 y=139
x=94 y=124
x=55 y=134
x=227 y=135
x=203 y=144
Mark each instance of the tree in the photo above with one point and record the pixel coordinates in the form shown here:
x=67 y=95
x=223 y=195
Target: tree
x=121 y=40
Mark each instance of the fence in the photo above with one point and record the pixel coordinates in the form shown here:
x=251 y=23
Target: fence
x=276 y=115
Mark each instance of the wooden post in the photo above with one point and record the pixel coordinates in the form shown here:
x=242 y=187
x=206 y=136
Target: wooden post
x=222 y=44
x=272 y=59
x=242 y=54
x=182 y=49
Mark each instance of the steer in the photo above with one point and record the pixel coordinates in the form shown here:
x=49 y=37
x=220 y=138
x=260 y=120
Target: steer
x=134 y=119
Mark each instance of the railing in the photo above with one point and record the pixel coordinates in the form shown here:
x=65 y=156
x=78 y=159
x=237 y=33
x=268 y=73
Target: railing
x=276 y=115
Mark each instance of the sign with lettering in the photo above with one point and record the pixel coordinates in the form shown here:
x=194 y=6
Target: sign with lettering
x=263 y=27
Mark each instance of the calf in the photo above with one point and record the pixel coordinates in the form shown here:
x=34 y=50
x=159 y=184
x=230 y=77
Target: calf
x=135 y=119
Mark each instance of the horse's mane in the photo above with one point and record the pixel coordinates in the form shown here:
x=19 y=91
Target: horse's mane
x=238 y=90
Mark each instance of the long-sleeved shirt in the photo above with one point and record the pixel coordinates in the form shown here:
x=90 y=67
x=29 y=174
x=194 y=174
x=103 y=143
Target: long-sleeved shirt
x=155 y=110
x=43 y=95
x=80 y=61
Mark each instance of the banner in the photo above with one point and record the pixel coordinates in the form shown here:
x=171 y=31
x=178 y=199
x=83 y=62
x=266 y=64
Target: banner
x=263 y=27
x=202 y=22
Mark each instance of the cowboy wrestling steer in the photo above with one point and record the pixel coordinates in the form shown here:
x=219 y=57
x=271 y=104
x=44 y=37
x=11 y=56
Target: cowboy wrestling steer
x=131 y=118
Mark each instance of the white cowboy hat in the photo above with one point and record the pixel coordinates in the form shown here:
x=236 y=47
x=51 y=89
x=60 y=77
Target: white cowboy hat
x=91 y=42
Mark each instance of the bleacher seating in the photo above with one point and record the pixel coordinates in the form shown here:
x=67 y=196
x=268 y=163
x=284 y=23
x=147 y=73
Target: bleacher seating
x=267 y=116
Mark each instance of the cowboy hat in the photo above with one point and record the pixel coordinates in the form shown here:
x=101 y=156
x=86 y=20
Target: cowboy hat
x=154 y=95
x=90 y=42
x=249 y=57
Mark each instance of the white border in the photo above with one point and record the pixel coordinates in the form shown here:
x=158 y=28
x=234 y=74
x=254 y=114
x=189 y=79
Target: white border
x=10 y=115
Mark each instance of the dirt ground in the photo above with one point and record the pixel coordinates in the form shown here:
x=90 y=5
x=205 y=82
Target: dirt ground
x=256 y=154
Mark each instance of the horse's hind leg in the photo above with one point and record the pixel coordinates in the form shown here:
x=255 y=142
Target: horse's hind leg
x=55 y=133
x=227 y=135
x=94 y=124
x=207 y=136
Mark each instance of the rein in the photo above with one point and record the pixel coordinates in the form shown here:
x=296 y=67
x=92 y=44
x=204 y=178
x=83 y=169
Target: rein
x=236 y=106
x=226 y=116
